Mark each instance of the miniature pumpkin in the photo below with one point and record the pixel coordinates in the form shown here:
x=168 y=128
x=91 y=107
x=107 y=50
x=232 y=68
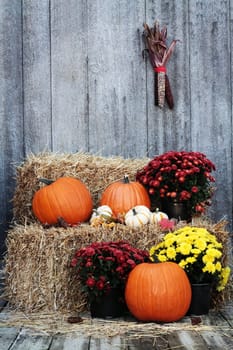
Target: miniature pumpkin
x=157 y=216
x=67 y=198
x=121 y=196
x=103 y=210
x=137 y=216
x=101 y=215
x=158 y=292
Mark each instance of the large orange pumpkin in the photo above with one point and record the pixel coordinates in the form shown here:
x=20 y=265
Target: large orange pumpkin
x=121 y=196
x=67 y=198
x=158 y=292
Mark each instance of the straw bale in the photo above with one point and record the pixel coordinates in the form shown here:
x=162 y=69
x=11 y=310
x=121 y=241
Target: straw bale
x=38 y=275
x=95 y=171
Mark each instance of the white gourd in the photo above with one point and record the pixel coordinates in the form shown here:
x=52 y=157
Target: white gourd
x=137 y=216
x=103 y=212
x=157 y=216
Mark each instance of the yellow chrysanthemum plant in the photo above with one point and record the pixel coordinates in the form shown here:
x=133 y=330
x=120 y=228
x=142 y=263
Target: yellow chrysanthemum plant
x=198 y=252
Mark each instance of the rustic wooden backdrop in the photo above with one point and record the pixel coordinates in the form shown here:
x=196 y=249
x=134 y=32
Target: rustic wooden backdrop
x=72 y=78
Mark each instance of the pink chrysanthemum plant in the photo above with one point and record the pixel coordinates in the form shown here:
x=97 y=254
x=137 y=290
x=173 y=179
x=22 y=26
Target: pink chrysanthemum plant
x=101 y=266
x=180 y=176
x=198 y=252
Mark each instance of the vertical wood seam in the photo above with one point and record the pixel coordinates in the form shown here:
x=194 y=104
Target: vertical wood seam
x=189 y=79
x=50 y=78
x=87 y=77
x=22 y=78
x=87 y=82
x=88 y=101
x=146 y=87
x=231 y=88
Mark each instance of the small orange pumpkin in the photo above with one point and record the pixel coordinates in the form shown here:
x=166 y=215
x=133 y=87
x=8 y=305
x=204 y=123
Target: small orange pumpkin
x=121 y=196
x=67 y=198
x=158 y=292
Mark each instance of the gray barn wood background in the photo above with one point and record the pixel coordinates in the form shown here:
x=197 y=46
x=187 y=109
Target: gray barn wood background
x=72 y=78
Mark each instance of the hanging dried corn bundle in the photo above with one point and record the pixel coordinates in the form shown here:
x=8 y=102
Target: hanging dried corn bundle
x=159 y=54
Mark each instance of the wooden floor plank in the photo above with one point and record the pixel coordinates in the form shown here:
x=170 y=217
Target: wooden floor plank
x=70 y=342
x=7 y=337
x=186 y=340
x=220 y=336
x=28 y=340
x=217 y=340
x=157 y=343
x=113 y=343
x=227 y=313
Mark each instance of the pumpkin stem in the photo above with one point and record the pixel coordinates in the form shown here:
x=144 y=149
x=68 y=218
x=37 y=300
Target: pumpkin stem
x=46 y=181
x=126 y=179
x=134 y=211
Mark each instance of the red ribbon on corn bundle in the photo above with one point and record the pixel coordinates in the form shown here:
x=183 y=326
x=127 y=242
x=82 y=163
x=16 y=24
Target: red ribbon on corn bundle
x=160 y=69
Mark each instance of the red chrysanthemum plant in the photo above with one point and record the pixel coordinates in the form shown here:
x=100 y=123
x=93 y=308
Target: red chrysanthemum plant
x=101 y=266
x=181 y=176
x=159 y=54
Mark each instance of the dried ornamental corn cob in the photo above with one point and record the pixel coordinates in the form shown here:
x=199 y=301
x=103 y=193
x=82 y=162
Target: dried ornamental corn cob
x=159 y=55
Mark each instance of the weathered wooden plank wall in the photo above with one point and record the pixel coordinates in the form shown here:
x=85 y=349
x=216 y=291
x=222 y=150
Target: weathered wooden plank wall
x=11 y=104
x=73 y=78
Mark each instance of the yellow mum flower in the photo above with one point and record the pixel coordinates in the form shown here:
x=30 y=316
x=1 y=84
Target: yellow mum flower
x=185 y=248
x=169 y=235
x=169 y=242
x=218 y=245
x=152 y=250
x=181 y=238
x=225 y=274
x=200 y=244
x=191 y=260
x=182 y=263
x=162 y=258
x=218 y=266
x=207 y=259
x=171 y=253
x=215 y=253
x=195 y=251
x=192 y=238
x=220 y=287
x=209 y=267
